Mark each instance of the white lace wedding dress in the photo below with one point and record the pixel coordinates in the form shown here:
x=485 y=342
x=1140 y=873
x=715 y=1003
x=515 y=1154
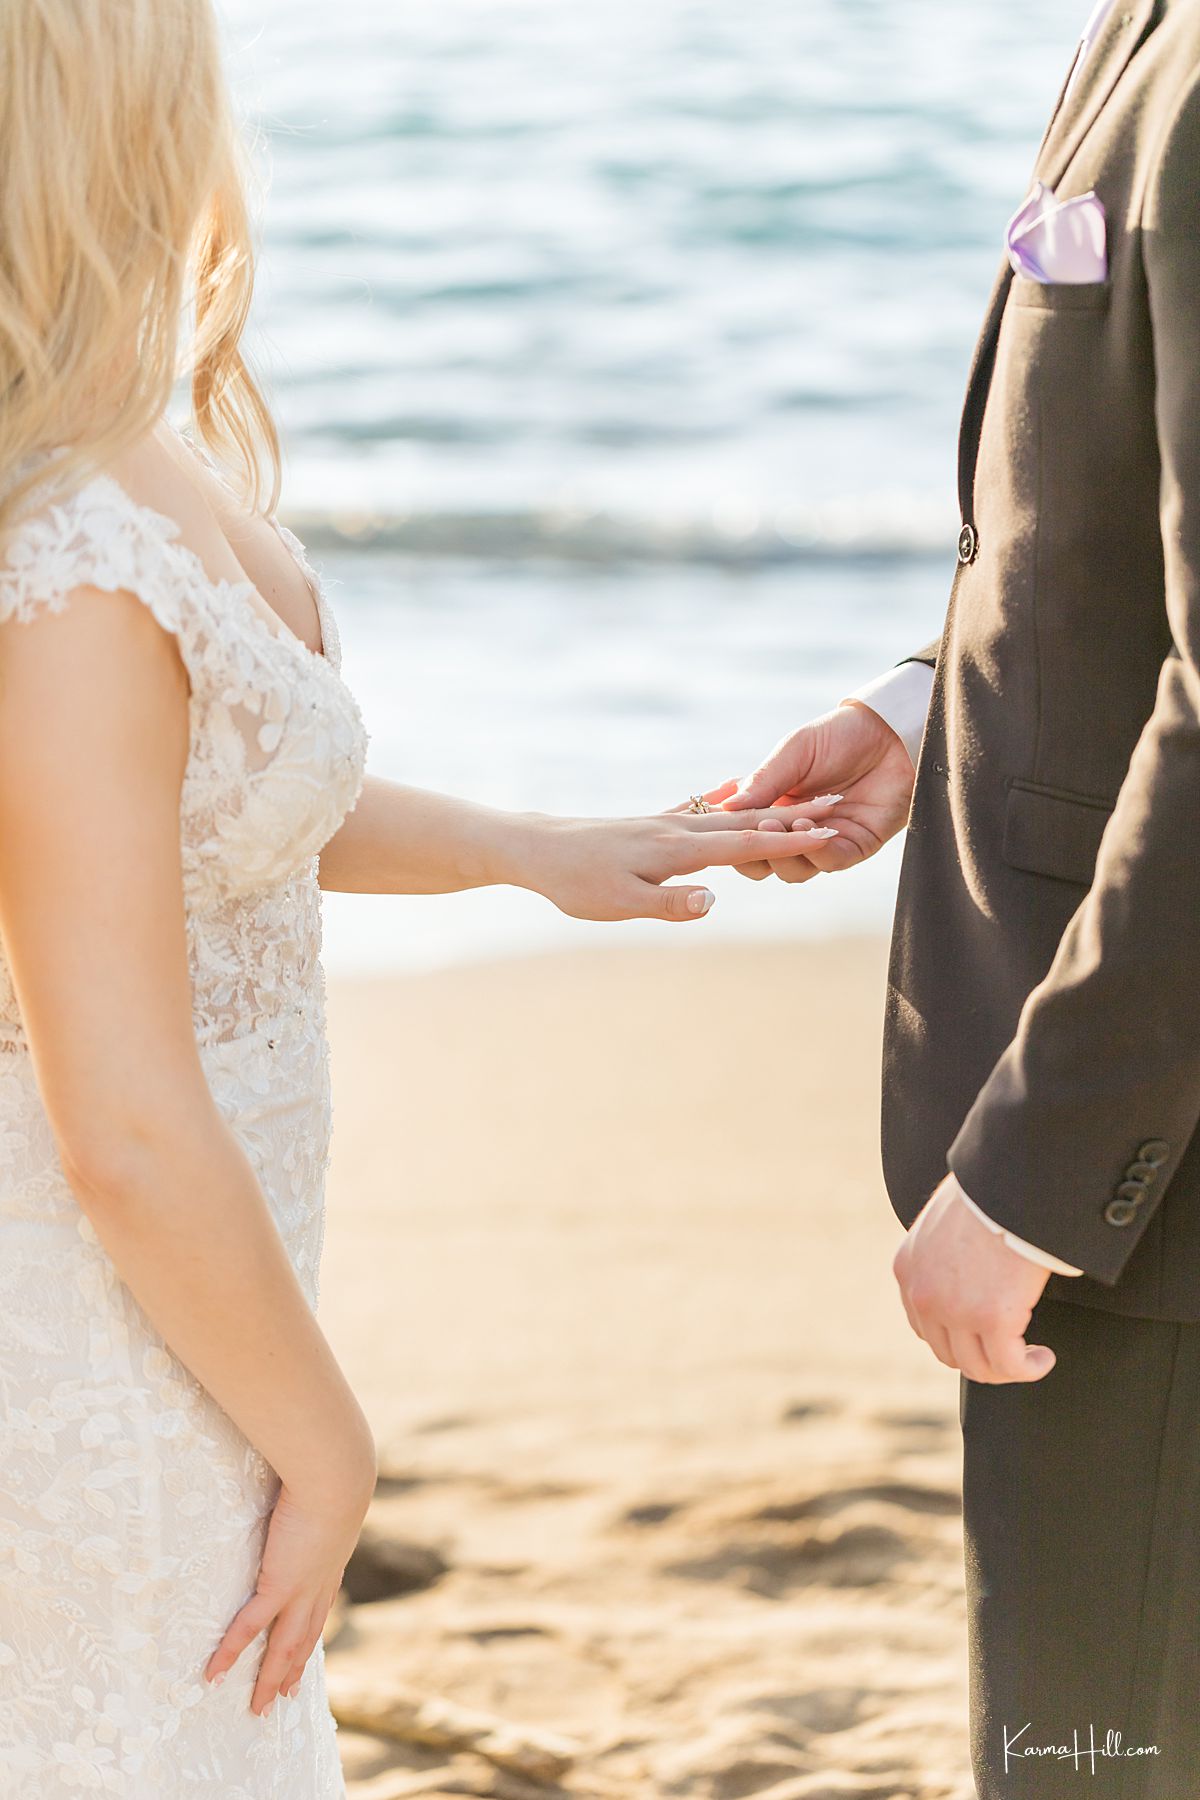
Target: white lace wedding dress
x=132 y=1510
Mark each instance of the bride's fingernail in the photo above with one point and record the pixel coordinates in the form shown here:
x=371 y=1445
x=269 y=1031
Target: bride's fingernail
x=821 y=831
x=827 y=799
x=700 y=901
x=219 y=1677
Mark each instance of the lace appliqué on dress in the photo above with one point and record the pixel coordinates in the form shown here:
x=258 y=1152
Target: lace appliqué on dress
x=132 y=1510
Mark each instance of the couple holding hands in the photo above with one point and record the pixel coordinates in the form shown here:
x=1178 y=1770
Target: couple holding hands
x=183 y=770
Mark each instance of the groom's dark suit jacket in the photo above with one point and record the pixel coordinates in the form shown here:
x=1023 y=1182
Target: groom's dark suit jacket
x=1043 y=1024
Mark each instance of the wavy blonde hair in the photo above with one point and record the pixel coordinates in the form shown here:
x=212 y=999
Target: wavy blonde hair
x=123 y=206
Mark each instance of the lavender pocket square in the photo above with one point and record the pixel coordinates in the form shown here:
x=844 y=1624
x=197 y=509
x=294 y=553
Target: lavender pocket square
x=1059 y=241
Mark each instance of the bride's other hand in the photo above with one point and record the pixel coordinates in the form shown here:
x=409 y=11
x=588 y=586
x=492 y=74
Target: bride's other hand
x=607 y=869
x=309 y=1541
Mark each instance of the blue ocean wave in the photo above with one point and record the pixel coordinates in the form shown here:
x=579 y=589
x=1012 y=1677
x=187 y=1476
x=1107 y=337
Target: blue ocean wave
x=602 y=540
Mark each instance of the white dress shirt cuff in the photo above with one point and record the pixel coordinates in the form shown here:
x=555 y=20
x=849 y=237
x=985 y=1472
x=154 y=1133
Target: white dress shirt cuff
x=901 y=698
x=1030 y=1251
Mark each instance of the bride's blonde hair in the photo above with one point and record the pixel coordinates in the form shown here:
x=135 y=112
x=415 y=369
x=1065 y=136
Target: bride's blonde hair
x=123 y=184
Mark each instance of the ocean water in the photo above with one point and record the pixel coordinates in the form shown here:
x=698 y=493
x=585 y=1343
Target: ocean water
x=619 y=352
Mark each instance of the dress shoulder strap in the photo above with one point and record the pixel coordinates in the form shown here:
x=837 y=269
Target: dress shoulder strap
x=96 y=536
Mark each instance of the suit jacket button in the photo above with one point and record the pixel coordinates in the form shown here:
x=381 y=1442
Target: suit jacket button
x=1154 y=1150
x=1133 y=1190
x=1120 y=1212
x=1142 y=1171
x=968 y=544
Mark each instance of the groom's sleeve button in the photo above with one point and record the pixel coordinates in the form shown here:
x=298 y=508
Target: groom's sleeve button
x=1121 y=1212
x=1139 y=1177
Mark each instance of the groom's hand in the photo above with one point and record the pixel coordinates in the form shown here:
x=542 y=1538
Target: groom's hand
x=850 y=752
x=968 y=1295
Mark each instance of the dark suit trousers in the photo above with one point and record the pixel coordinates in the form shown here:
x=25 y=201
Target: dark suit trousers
x=1082 y=1525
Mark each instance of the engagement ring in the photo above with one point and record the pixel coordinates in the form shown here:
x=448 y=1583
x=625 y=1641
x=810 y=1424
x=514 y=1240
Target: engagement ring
x=698 y=804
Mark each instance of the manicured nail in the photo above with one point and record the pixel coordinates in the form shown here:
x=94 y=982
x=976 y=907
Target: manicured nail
x=817 y=831
x=218 y=1678
x=700 y=901
x=268 y=1709
x=826 y=800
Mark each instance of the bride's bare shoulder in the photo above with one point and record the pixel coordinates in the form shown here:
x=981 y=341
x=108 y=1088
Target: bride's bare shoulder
x=159 y=472
x=165 y=472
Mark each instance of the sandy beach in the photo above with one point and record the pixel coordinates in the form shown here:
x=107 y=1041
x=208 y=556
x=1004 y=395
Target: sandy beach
x=669 y=1494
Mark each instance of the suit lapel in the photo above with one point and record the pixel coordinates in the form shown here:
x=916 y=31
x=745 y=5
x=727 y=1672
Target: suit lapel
x=978 y=383
x=999 y=293
x=1058 y=104
x=1069 y=125
x=1123 y=32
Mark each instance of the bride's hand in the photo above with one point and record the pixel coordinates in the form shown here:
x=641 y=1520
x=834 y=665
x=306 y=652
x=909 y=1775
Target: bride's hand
x=308 y=1546
x=609 y=869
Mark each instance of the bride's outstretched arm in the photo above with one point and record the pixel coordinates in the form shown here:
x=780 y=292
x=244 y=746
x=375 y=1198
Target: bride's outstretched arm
x=402 y=840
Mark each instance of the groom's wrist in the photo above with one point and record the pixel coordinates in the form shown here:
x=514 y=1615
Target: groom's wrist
x=1022 y=1246
x=900 y=696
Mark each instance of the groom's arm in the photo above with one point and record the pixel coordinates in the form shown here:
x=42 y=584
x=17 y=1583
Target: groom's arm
x=1030 y=1252
x=1076 y=1133
x=928 y=655
x=900 y=696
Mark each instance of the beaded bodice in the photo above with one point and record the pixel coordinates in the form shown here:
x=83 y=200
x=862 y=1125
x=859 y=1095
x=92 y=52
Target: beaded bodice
x=276 y=759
